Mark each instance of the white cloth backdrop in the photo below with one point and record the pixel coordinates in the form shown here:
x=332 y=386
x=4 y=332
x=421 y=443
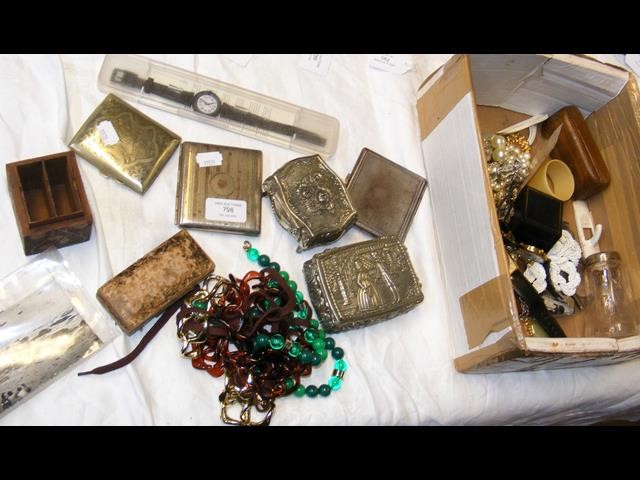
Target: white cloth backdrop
x=400 y=372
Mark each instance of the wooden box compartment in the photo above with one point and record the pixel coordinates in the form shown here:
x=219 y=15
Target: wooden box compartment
x=49 y=202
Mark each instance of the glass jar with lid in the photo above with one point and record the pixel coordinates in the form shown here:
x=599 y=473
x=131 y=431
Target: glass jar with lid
x=609 y=302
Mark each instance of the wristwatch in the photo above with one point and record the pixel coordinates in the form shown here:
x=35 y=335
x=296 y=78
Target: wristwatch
x=208 y=103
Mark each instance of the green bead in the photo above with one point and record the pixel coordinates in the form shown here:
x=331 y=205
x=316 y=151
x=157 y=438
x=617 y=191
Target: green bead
x=337 y=353
x=260 y=342
x=329 y=343
x=292 y=285
x=299 y=297
x=303 y=314
x=310 y=334
x=264 y=260
x=284 y=275
x=277 y=341
x=324 y=354
x=305 y=356
x=341 y=365
x=201 y=304
x=289 y=383
x=275 y=266
x=311 y=391
x=316 y=358
x=322 y=334
x=318 y=345
x=324 y=390
x=253 y=254
x=335 y=383
x=254 y=313
x=313 y=323
x=266 y=304
x=299 y=391
x=277 y=301
x=295 y=350
x=272 y=284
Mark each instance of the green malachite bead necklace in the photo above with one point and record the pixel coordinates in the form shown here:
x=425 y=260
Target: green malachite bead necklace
x=314 y=335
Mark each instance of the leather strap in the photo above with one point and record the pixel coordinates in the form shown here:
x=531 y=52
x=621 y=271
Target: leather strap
x=126 y=360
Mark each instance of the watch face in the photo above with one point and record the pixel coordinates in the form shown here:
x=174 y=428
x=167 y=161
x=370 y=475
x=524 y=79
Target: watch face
x=207 y=103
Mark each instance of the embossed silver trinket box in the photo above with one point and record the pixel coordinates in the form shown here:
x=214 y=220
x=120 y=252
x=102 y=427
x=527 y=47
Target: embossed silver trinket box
x=310 y=201
x=361 y=284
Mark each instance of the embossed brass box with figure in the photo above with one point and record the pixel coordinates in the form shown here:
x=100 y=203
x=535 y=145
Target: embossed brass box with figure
x=124 y=143
x=310 y=201
x=362 y=284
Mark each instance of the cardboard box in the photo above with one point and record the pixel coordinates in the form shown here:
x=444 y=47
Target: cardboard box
x=475 y=93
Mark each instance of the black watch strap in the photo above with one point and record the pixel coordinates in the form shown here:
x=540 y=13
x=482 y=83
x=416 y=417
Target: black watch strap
x=169 y=92
x=537 y=309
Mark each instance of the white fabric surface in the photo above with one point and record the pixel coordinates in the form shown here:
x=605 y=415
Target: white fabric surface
x=400 y=372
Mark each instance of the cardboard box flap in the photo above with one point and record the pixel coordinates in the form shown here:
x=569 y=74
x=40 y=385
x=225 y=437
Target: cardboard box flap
x=573 y=345
x=460 y=196
x=543 y=84
x=488 y=308
x=506 y=348
x=441 y=92
x=615 y=130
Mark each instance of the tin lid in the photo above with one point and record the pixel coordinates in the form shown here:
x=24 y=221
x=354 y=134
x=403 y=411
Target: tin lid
x=602 y=257
x=125 y=144
x=385 y=194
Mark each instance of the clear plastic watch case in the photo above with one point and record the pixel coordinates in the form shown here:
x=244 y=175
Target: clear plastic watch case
x=218 y=103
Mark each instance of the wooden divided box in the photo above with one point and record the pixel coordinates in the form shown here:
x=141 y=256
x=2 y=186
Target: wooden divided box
x=473 y=95
x=49 y=202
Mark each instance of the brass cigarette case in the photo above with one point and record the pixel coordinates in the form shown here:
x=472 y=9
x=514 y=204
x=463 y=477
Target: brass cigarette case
x=385 y=194
x=310 y=201
x=361 y=284
x=219 y=188
x=125 y=144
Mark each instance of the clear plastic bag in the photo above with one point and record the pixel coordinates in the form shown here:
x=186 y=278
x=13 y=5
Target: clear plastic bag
x=47 y=325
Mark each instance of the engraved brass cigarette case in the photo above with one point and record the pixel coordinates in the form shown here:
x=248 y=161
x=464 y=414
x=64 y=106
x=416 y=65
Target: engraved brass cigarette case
x=361 y=284
x=219 y=188
x=310 y=201
x=125 y=144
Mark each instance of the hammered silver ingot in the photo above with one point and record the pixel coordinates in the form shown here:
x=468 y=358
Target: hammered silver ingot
x=361 y=284
x=310 y=201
